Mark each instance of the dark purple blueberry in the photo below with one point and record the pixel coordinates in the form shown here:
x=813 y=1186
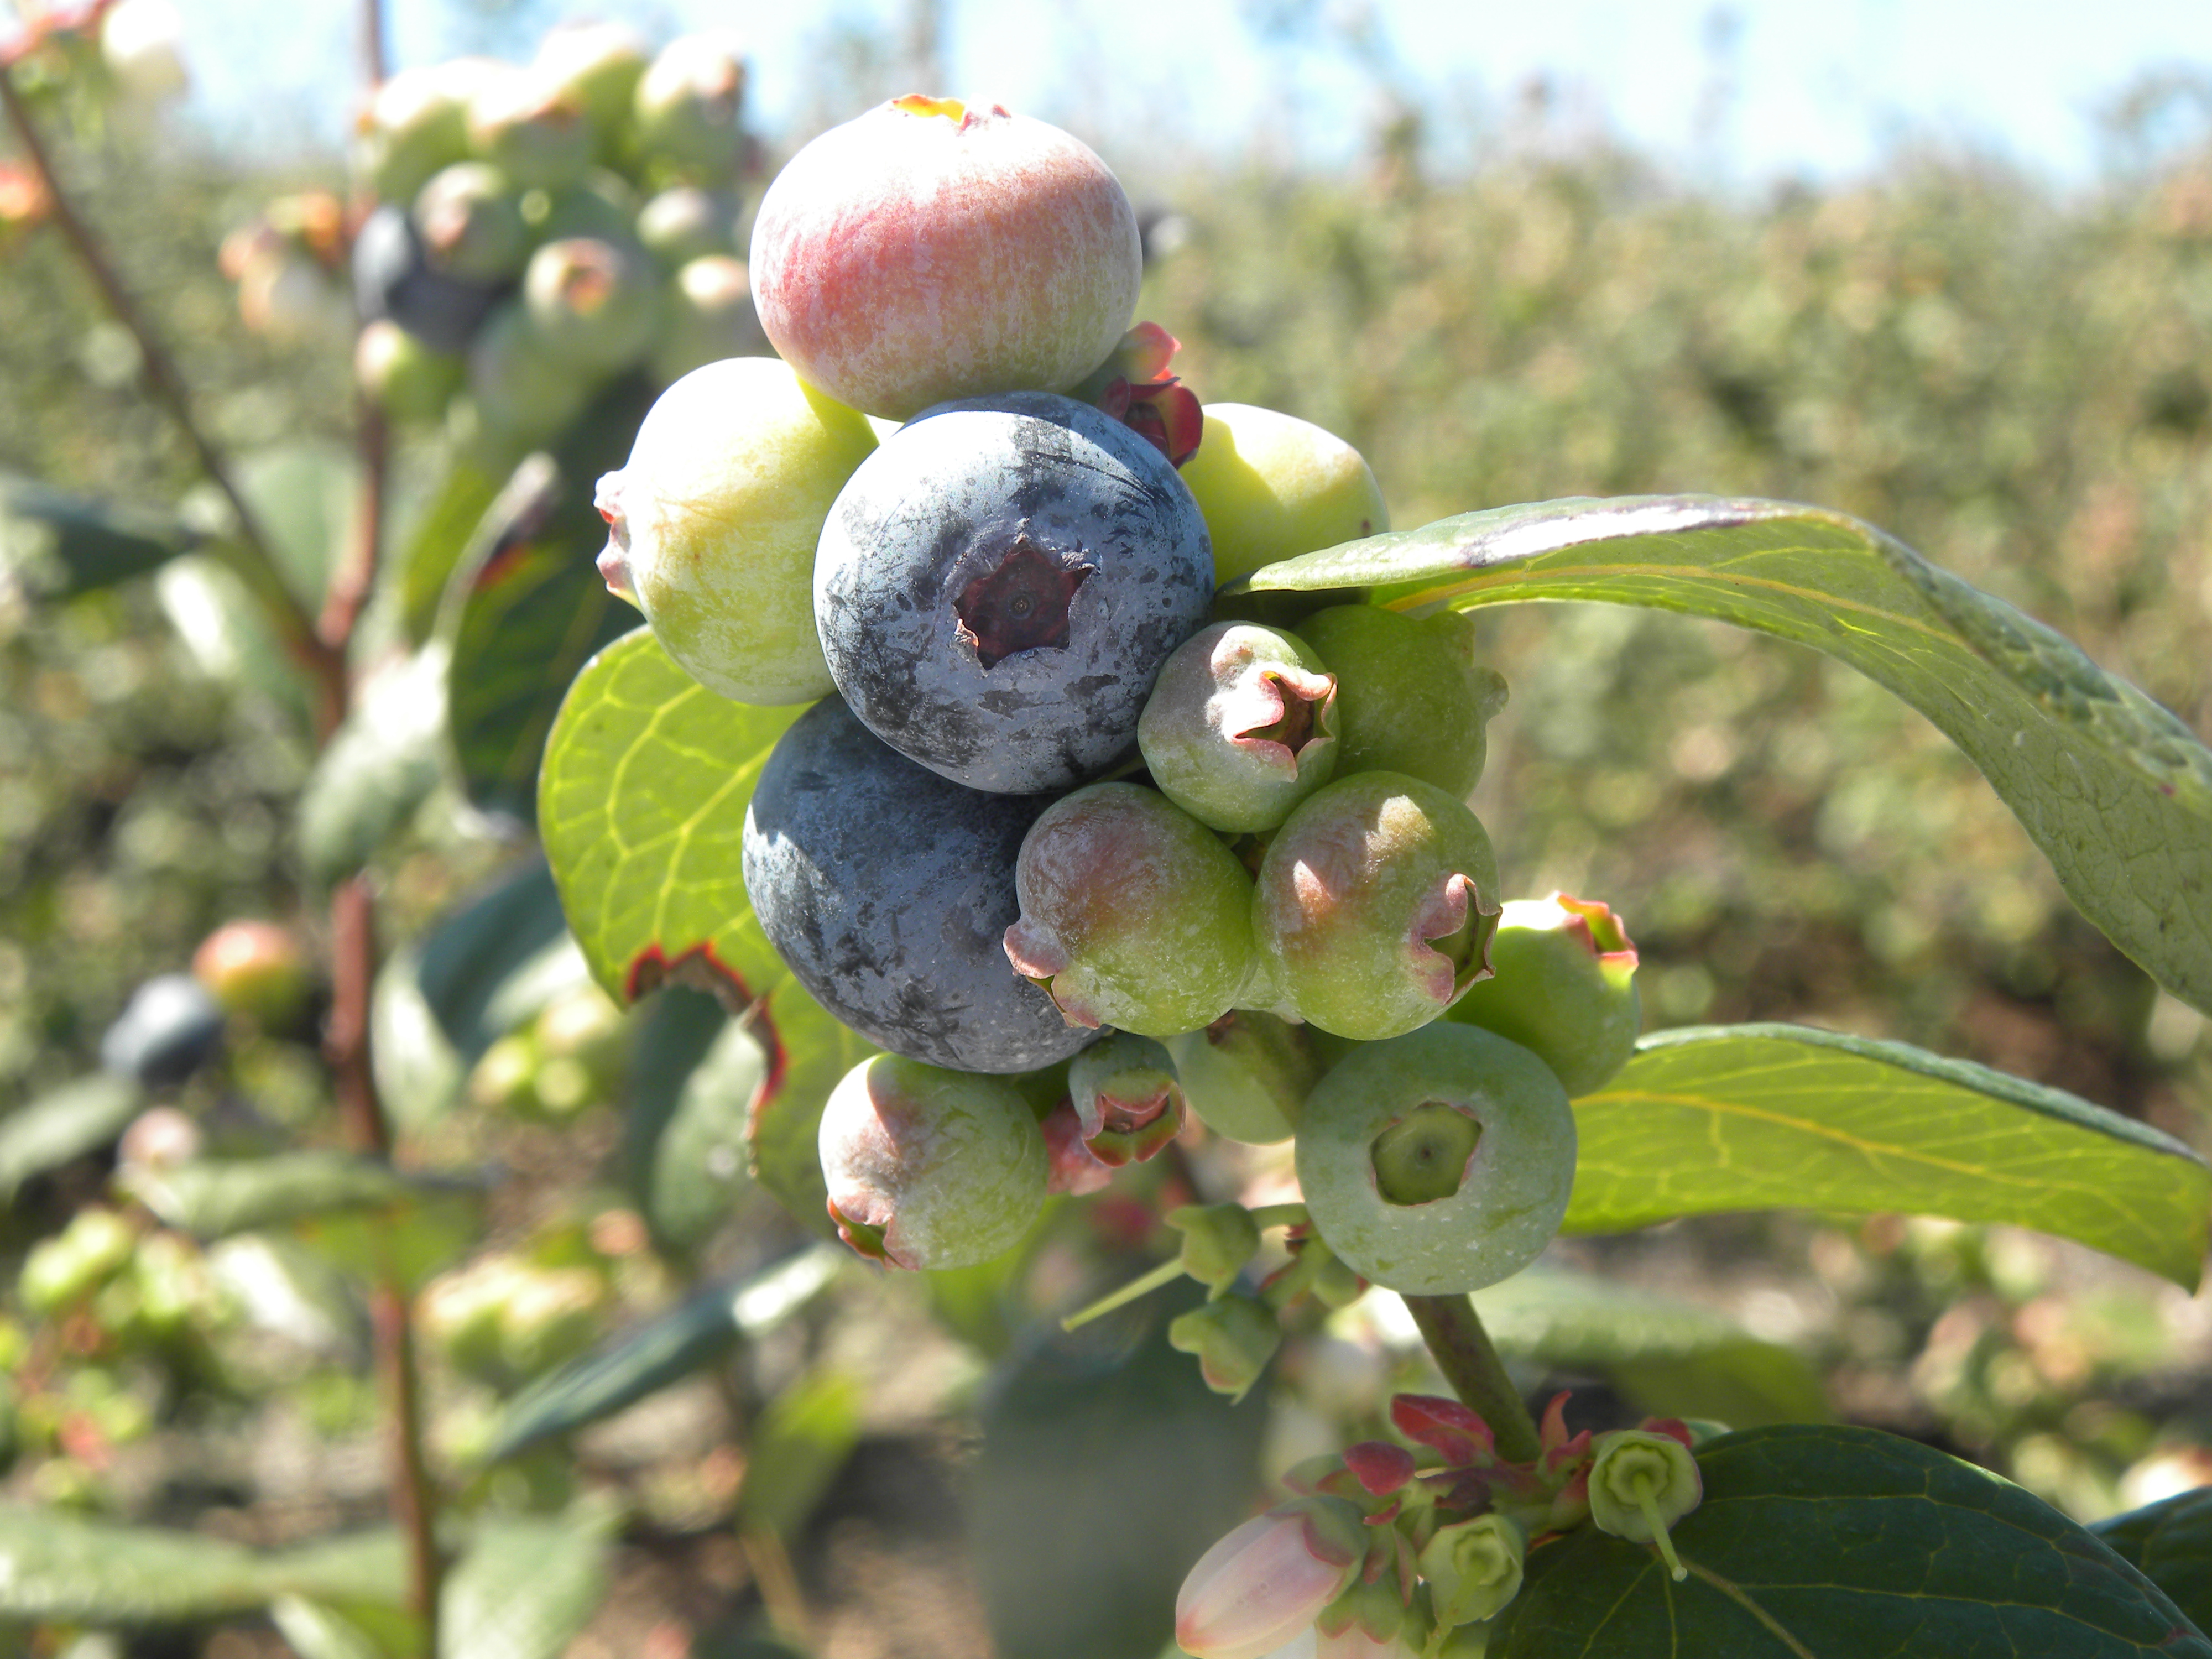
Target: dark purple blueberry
x=999 y=584
x=887 y=892
x=169 y=1029
x=392 y=277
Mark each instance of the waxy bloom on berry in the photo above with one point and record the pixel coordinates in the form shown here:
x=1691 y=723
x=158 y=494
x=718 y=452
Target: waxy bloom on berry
x=1267 y=1581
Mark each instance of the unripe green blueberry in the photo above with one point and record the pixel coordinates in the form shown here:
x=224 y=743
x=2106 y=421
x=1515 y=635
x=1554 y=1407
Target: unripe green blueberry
x=1374 y=905
x=1272 y=486
x=1409 y=695
x=405 y=378
x=597 y=66
x=684 y=222
x=63 y=1270
x=928 y=1167
x=1439 y=1161
x=1247 y=1075
x=414 y=124
x=689 y=107
x=715 y=519
x=1134 y=914
x=1127 y=1101
x=1565 y=988
x=522 y=392
x=469 y=217
x=531 y=129
x=927 y=251
x=601 y=206
x=709 y=316
x=1240 y=726
x=596 y=305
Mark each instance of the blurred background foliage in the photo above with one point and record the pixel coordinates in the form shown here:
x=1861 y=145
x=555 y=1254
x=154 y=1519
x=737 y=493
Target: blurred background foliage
x=2016 y=380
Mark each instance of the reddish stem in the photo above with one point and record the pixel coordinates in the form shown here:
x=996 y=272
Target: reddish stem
x=250 y=554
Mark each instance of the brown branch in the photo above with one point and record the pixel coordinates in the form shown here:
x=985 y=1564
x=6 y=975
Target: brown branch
x=1470 y=1363
x=249 y=554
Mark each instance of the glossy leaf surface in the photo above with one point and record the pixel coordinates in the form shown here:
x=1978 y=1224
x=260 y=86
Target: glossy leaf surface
x=2171 y=1542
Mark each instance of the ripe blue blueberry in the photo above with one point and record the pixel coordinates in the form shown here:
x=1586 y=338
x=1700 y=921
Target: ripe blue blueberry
x=997 y=587
x=889 y=891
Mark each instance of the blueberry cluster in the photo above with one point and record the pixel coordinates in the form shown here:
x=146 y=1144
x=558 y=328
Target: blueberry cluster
x=1077 y=853
x=544 y=228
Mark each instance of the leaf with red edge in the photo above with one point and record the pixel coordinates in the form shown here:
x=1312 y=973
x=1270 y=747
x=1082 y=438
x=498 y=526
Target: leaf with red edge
x=1381 y=1467
x=1446 y=1426
x=641 y=806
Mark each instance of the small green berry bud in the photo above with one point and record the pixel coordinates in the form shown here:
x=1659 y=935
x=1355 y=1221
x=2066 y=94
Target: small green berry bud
x=1234 y=1339
x=1217 y=1241
x=1642 y=1482
x=1474 y=1568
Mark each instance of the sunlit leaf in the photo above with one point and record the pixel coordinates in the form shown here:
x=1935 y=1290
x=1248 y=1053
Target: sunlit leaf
x=379 y=768
x=525 y=1587
x=1755 y=1117
x=64 y=1123
x=695 y=1333
x=2115 y=790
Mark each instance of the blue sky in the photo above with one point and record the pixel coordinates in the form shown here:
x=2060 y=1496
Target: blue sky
x=1817 y=90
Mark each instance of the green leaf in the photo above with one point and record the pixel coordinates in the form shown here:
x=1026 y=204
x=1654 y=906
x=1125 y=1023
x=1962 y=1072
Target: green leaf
x=2115 y=790
x=1107 y=1468
x=697 y=1074
x=695 y=1333
x=381 y=765
x=527 y=609
x=358 y=1210
x=305 y=498
x=800 y=1443
x=54 y=546
x=2170 y=1543
x=1673 y=1359
x=525 y=1587
x=1755 y=1117
x=1843 y=1543
x=485 y=969
x=316 y=1631
x=226 y=631
x=641 y=806
x=438 y=538
x=63 y=1568
x=64 y=1123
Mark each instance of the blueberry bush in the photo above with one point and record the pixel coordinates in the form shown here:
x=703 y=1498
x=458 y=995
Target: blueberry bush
x=1037 y=871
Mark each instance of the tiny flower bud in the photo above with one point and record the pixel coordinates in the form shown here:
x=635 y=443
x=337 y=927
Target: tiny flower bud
x=1265 y=1583
x=1234 y=1339
x=1474 y=1568
x=1642 y=1482
x=1218 y=1240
